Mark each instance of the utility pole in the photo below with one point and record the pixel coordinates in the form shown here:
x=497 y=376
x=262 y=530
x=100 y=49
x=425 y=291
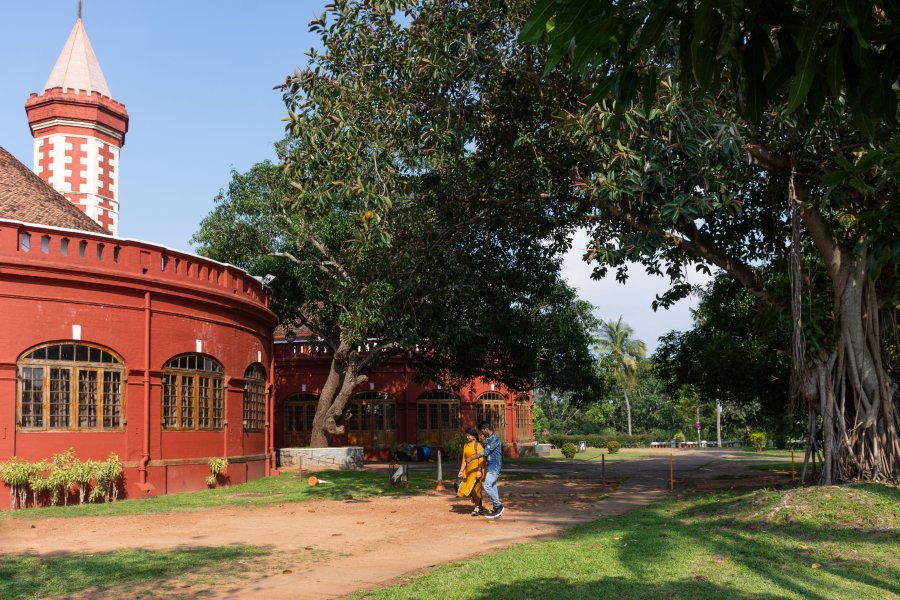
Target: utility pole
x=719 y=422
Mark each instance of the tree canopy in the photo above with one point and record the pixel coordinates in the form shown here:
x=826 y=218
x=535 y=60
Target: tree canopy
x=737 y=353
x=685 y=135
x=798 y=52
x=370 y=227
x=763 y=140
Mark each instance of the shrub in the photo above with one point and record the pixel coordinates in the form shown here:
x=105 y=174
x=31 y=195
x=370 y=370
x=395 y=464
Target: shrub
x=613 y=446
x=568 y=450
x=452 y=447
x=108 y=473
x=600 y=440
x=17 y=473
x=59 y=476
x=679 y=437
x=758 y=440
x=38 y=482
x=84 y=472
x=60 y=479
x=217 y=466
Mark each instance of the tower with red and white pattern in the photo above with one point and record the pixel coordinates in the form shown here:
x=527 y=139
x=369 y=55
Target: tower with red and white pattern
x=79 y=131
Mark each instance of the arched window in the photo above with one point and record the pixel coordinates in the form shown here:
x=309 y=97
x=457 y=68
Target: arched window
x=373 y=420
x=438 y=416
x=523 y=418
x=491 y=407
x=254 y=397
x=193 y=394
x=299 y=412
x=71 y=386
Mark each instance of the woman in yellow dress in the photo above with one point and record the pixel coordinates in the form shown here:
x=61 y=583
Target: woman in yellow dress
x=472 y=474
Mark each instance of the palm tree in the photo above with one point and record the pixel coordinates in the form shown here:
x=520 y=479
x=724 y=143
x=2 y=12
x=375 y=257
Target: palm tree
x=616 y=338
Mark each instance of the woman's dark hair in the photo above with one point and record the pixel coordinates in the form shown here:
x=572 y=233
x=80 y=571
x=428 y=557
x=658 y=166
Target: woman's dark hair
x=472 y=431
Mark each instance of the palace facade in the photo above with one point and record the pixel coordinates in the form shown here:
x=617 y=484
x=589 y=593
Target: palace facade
x=167 y=359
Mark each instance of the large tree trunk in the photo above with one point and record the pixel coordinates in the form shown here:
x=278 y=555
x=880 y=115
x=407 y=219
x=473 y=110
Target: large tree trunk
x=848 y=390
x=348 y=370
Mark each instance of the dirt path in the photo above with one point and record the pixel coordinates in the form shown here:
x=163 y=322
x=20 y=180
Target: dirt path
x=327 y=549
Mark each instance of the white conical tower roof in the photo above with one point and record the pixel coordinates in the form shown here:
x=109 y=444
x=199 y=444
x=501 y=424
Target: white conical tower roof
x=77 y=67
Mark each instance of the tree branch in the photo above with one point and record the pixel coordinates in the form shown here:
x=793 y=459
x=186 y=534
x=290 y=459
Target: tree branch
x=818 y=229
x=377 y=354
x=756 y=155
x=330 y=260
x=695 y=244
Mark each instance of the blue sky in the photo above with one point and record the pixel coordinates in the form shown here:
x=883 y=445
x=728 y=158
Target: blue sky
x=197 y=77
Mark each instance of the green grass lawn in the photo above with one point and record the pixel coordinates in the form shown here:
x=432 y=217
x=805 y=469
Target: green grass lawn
x=30 y=576
x=589 y=454
x=779 y=466
x=279 y=489
x=835 y=542
x=772 y=453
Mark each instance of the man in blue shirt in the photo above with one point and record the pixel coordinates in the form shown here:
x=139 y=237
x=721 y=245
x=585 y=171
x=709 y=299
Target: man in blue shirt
x=493 y=453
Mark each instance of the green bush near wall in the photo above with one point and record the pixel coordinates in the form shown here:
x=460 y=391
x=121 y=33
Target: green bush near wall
x=594 y=440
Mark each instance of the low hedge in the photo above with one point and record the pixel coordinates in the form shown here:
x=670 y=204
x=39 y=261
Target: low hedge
x=595 y=440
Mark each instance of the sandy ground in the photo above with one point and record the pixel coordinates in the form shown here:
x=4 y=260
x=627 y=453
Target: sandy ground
x=327 y=549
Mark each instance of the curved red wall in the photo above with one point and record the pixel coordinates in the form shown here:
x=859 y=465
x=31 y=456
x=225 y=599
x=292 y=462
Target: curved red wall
x=131 y=299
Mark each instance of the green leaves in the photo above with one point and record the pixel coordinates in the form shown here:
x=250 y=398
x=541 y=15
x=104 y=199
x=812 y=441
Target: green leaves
x=805 y=69
x=834 y=70
x=779 y=54
x=707 y=31
x=683 y=209
x=536 y=26
x=391 y=219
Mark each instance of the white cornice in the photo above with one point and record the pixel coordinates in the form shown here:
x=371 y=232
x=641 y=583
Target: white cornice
x=73 y=123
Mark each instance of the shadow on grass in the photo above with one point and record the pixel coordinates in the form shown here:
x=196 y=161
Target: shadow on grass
x=737 y=535
x=31 y=576
x=557 y=588
x=888 y=493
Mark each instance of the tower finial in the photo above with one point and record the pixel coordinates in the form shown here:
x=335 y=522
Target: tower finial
x=79 y=9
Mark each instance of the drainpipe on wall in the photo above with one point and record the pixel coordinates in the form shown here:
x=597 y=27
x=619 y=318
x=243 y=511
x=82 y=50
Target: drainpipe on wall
x=145 y=455
x=225 y=394
x=15 y=427
x=270 y=413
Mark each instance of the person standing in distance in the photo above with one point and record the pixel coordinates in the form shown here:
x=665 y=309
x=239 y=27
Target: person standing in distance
x=493 y=453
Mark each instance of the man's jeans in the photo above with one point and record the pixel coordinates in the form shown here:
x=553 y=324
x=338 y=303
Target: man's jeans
x=490 y=486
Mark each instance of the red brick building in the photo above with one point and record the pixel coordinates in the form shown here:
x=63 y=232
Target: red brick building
x=165 y=358
x=115 y=345
x=390 y=408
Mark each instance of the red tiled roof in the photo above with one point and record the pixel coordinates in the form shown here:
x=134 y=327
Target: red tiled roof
x=299 y=332
x=25 y=197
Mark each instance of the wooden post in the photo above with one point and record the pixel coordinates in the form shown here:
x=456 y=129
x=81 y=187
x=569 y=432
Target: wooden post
x=671 y=474
x=603 y=468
